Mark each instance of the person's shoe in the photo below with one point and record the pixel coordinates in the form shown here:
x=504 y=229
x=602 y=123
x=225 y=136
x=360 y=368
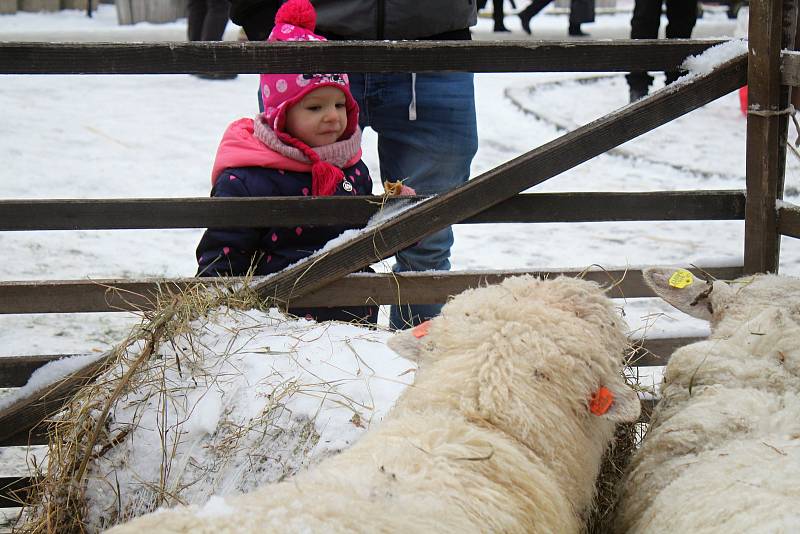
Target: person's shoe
x=526 y=22
x=575 y=31
x=637 y=94
x=500 y=28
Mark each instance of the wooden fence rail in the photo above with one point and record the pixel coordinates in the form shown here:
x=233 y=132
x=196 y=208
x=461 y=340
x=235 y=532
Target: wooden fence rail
x=355 y=56
x=112 y=214
x=16 y=370
x=789 y=220
x=114 y=295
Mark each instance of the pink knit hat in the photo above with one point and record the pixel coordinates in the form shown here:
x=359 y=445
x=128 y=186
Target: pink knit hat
x=295 y=21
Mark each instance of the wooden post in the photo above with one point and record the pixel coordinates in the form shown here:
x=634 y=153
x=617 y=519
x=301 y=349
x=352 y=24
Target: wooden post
x=8 y=7
x=772 y=28
x=79 y=4
x=39 y=5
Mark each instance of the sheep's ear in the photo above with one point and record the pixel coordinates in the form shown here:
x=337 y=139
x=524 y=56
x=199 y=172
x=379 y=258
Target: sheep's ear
x=681 y=289
x=408 y=343
x=623 y=405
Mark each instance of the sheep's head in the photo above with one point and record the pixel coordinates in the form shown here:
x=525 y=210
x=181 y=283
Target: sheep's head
x=503 y=349
x=734 y=302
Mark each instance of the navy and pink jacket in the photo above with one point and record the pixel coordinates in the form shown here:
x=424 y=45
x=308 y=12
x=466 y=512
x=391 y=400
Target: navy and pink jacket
x=246 y=167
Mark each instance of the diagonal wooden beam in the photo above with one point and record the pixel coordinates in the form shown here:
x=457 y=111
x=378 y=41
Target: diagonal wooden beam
x=503 y=182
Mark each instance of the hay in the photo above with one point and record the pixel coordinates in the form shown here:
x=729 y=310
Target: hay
x=627 y=438
x=187 y=408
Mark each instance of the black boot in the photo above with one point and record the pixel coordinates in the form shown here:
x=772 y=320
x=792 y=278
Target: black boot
x=499 y=25
x=575 y=31
x=525 y=19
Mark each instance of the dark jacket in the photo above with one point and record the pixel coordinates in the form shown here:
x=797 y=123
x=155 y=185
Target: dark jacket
x=368 y=19
x=231 y=251
x=234 y=251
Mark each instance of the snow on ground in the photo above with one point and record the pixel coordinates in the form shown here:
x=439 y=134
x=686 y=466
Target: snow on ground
x=155 y=136
x=252 y=398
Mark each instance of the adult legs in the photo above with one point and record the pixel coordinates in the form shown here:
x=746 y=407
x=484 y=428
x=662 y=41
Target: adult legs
x=531 y=11
x=207 y=19
x=206 y=22
x=644 y=25
x=681 y=18
x=580 y=11
x=432 y=153
x=498 y=16
x=195 y=15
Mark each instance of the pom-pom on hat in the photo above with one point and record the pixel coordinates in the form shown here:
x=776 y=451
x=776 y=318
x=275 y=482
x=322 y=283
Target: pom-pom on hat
x=295 y=21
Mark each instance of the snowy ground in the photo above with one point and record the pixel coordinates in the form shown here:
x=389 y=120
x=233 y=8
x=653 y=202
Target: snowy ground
x=155 y=136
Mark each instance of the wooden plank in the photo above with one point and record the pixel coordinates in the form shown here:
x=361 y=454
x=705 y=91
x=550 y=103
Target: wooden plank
x=25 y=438
x=789 y=220
x=15 y=370
x=8 y=7
x=13 y=491
x=657 y=351
x=790 y=67
x=114 y=214
x=30 y=410
x=354 y=56
x=39 y=5
x=767 y=123
x=503 y=182
x=643 y=353
x=116 y=295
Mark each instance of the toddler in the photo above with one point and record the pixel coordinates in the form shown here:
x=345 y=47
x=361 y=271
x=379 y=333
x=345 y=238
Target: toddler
x=307 y=142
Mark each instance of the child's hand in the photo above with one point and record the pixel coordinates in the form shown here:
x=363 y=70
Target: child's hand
x=397 y=189
x=407 y=191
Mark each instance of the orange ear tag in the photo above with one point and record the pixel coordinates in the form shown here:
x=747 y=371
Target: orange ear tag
x=601 y=401
x=421 y=330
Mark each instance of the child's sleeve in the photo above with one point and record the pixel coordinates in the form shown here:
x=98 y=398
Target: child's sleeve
x=229 y=251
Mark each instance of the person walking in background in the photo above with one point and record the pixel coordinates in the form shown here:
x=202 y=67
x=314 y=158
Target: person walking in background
x=206 y=21
x=681 y=18
x=580 y=11
x=497 y=14
x=426 y=122
x=307 y=143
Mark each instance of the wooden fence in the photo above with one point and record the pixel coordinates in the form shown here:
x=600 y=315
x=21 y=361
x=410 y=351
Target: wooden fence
x=489 y=198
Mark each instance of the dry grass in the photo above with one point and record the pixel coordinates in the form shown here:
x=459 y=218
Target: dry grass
x=80 y=432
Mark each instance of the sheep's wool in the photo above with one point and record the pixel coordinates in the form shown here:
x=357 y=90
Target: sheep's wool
x=723 y=450
x=495 y=434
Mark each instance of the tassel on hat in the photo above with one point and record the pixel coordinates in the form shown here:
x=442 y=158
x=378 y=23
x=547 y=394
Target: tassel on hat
x=325 y=177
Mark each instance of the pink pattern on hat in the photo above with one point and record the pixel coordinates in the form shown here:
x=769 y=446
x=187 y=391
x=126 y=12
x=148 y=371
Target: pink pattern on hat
x=295 y=21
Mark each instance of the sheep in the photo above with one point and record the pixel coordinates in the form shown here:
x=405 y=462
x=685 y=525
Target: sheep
x=503 y=429
x=723 y=450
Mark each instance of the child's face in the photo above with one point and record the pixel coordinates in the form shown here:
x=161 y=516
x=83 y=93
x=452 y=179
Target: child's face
x=319 y=118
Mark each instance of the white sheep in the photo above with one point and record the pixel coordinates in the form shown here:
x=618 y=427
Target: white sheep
x=495 y=434
x=723 y=450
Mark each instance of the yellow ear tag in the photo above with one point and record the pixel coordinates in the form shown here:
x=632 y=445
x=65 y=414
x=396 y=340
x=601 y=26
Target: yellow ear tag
x=681 y=278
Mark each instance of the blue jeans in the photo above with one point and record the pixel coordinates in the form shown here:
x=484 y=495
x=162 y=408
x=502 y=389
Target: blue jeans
x=432 y=154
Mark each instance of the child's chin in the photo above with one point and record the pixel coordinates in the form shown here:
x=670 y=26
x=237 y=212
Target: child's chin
x=325 y=140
